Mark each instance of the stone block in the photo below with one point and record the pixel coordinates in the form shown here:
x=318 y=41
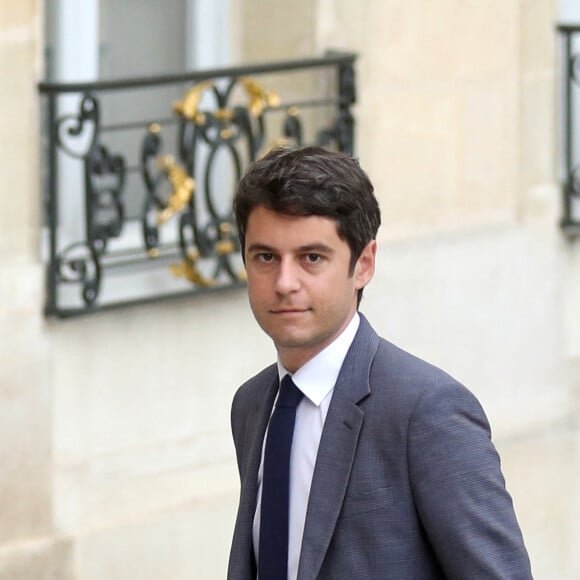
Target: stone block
x=447 y=156
x=538 y=35
x=542 y=472
x=538 y=130
x=414 y=179
x=18 y=153
x=487 y=143
x=427 y=41
x=261 y=37
x=17 y=13
x=571 y=305
x=158 y=350
x=190 y=541
x=44 y=559
x=25 y=408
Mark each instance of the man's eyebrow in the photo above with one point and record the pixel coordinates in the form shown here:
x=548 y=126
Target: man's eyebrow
x=257 y=247
x=315 y=247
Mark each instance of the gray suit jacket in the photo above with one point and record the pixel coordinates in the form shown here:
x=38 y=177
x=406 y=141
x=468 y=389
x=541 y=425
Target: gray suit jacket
x=407 y=484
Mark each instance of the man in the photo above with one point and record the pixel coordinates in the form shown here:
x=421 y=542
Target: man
x=391 y=470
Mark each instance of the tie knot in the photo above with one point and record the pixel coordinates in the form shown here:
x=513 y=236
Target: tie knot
x=290 y=395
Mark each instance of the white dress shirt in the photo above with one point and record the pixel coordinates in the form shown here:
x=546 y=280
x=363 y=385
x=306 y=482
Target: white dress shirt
x=316 y=380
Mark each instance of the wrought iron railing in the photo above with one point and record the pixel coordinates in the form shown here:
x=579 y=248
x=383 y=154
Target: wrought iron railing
x=570 y=221
x=138 y=204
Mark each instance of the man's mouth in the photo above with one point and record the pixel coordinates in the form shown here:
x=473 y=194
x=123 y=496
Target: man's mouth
x=289 y=311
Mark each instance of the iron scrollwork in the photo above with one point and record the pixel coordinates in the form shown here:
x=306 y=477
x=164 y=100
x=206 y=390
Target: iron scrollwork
x=570 y=221
x=150 y=150
x=78 y=134
x=574 y=69
x=104 y=183
x=573 y=186
x=104 y=177
x=78 y=137
x=79 y=264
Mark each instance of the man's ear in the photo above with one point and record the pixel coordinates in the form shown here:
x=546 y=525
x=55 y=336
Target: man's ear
x=364 y=268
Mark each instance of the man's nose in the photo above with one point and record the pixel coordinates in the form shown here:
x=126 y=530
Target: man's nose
x=288 y=278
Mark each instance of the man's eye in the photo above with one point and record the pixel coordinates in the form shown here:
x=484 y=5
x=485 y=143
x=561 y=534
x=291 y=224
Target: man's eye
x=313 y=258
x=265 y=257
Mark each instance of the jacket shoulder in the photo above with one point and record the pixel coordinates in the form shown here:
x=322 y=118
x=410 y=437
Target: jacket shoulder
x=403 y=364
x=254 y=385
x=406 y=381
x=250 y=394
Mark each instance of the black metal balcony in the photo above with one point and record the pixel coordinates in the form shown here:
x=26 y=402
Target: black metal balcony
x=571 y=129
x=138 y=201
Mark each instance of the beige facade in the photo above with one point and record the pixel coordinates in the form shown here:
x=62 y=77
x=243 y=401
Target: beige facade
x=115 y=453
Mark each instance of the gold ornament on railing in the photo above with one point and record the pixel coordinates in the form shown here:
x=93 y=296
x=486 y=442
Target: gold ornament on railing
x=188 y=107
x=259 y=100
x=187 y=269
x=182 y=185
x=225 y=244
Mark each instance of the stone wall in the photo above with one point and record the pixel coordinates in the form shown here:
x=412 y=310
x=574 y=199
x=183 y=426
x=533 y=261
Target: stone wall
x=29 y=545
x=115 y=453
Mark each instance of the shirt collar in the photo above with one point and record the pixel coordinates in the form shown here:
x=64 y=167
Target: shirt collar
x=318 y=376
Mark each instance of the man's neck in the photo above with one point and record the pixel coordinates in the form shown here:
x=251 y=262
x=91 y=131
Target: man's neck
x=294 y=359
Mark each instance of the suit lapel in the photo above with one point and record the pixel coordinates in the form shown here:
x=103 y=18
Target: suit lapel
x=329 y=482
x=337 y=451
x=257 y=423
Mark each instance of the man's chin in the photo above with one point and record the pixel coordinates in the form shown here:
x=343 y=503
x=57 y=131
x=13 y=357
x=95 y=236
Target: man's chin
x=285 y=341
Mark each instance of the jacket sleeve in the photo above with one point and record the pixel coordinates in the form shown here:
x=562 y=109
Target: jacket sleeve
x=459 y=489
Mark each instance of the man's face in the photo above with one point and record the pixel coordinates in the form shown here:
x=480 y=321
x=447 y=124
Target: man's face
x=299 y=285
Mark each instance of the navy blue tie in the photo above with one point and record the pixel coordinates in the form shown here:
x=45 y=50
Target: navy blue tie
x=273 y=548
